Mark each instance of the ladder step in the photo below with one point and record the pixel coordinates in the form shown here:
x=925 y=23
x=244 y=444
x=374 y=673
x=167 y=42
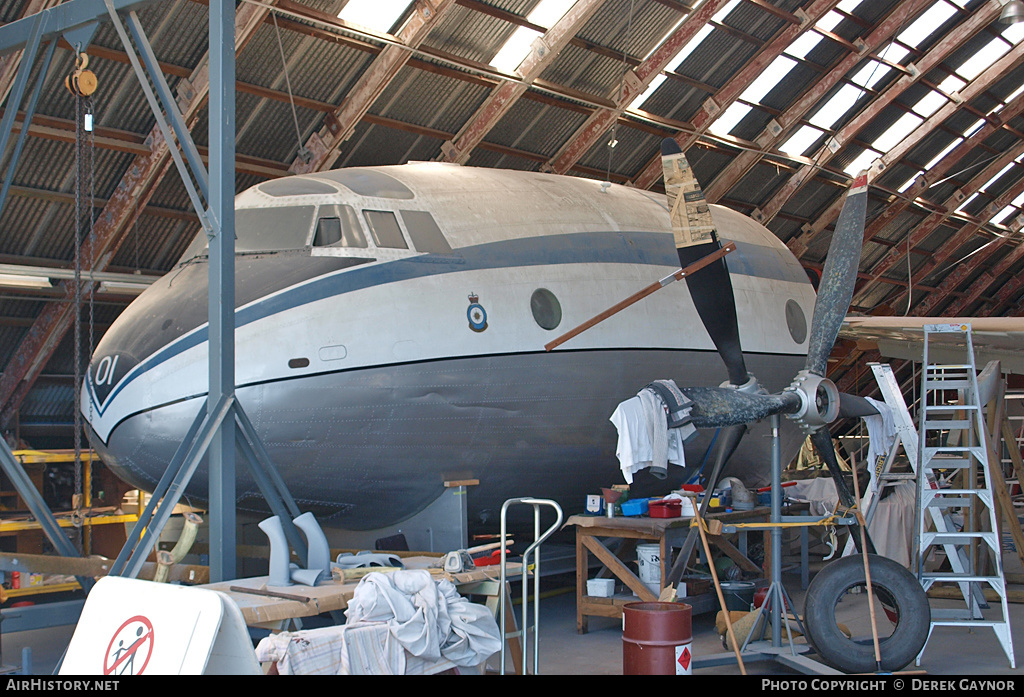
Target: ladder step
x=949 y=383
x=948 y=463
x=956 y=538
x=910 y=476
x=947 y=425
x=949 y=407
x=959 y=578
x=968 y=623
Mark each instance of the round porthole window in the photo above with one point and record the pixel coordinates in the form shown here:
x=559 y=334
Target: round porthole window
x=796 y=321
x=545 y=307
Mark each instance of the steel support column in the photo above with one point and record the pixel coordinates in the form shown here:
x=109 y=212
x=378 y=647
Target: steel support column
x=223 y=562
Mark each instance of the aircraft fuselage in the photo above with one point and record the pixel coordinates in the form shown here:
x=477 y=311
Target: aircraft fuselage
x=390 y=332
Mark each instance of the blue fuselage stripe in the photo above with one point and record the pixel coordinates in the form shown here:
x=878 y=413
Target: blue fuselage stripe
x=645 y=248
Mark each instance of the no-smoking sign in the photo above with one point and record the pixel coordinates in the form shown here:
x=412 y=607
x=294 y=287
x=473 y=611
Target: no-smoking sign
x=130 y=648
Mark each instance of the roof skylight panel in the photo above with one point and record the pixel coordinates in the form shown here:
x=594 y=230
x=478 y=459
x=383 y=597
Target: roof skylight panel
x=837 y=106
x=379 y=15
x=517 y=47
x=801 y=141
x=862 y=162
x=684 y=52
x=927 y=24
x=897 y=132
x=982 y=59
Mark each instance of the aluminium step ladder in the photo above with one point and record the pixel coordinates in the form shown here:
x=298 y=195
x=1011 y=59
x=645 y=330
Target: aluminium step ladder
x=881 y=475
x=952 y=437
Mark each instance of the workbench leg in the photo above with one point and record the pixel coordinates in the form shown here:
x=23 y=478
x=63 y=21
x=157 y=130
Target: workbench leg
x=582 y=567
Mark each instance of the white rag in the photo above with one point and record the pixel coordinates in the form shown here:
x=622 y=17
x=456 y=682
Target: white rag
x=639 y=427
x=429 y=618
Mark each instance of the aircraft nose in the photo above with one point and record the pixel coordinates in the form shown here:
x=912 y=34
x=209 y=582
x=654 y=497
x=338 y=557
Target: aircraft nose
x=168 y=309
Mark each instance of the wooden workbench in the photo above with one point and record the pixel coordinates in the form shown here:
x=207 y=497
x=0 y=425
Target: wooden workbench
x=667 y=532
x=273 y=612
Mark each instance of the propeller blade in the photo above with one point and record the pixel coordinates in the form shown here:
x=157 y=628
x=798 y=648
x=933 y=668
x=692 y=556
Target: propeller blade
x=724 y=406
x=838 y=277
x=852 y=406
x=695 y=237
x=822 y=442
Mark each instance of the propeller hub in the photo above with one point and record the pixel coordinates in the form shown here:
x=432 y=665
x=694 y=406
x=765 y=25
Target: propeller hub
x=819 y=401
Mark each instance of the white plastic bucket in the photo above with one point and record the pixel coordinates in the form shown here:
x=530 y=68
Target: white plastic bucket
x=649 y=558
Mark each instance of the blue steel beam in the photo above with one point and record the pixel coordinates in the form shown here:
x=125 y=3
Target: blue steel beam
x=223 y=558
x=67 y=18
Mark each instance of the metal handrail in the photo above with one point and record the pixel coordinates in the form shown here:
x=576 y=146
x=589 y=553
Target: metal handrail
x=534 y=549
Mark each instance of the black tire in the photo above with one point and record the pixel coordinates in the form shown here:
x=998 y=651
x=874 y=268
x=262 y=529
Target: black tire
x=897 y=588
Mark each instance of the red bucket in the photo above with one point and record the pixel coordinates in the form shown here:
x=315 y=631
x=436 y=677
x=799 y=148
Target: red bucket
x=656 y=639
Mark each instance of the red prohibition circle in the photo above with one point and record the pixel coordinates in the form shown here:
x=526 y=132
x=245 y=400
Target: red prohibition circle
x=109 y=668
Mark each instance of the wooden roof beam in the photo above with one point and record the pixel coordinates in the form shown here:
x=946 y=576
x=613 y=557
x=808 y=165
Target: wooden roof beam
x=542 y=54
x=322 y=148
x=922 y=230
x=730 y=92
x=793 y=116
x=635 y=82
x=978 y=21
x=940 y=169
x=956 y=276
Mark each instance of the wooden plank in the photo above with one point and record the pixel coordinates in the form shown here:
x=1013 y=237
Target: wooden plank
x=729 y=550
x=77 y=566
x=1002 y=494
x=620 y=570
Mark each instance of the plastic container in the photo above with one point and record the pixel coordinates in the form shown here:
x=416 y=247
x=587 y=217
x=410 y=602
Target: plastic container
x=649 y=558
x=635 y=507
x=656 y=639
x=601 y=587
x=673 y=508
x=739 y=595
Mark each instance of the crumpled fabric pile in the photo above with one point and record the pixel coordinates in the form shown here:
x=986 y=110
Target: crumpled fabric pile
x=428 y=617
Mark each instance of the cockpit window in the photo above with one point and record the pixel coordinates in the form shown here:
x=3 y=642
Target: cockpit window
x=338 y=226
x=271 y=229
x=263 y=230
x=367 y=182
x=425 y=234
x=295 y=186
x=385 y=230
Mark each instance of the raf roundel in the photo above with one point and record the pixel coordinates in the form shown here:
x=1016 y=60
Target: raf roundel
x=476 y=314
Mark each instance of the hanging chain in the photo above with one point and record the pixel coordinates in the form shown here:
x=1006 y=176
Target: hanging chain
x=79 y=176
x=87 y=495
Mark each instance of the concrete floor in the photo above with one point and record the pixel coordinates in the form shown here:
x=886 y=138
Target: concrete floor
x=951 y=651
